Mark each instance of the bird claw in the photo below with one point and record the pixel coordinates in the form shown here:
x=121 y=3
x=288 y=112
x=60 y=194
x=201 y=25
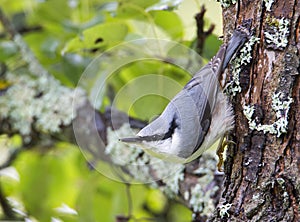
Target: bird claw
x=224 y=141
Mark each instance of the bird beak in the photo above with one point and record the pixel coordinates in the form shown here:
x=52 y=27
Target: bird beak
x=131 y=139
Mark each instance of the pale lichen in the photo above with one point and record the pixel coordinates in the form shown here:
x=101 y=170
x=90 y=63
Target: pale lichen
x=141 y=166
x=281 y=109
x=280 y=181
x=199 y=195
x=201 y=200
x=268 y=4
x=186 y=195
x=196 y=198
x=277 y=32
x=40 y=103
x=223 y=210
x=35 y=100
x=244 y=58
x=226 y=3
x=129 y=156
x=35 y=68
x=170 y=173
x=256 y=197
x=248 y=112
x=120 y=154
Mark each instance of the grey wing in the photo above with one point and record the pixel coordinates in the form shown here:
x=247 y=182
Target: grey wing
x=195 y=112
x=202 y=89
x=208 y=79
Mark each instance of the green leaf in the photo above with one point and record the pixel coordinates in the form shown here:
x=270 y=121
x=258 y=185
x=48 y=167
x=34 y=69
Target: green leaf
x=54 y=11
x=169 y=22
x=73 y=66
x=165 y=5
x=44 y=46
x=178 y=213
x=144 y=88
x=134 y=9
x=47 y=181
x=98 y=37
x=156 y=201
x=142 y=3
x=49 y=47
x=102 y=199
x=211 y=46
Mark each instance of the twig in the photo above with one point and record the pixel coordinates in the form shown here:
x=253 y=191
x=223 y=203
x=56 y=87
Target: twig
x=128 y=193
x=27 y=55
x=7 y=24
x=201 y=34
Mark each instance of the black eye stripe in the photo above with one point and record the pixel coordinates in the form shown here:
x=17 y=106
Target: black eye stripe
x=165 y=136
x=172 y=128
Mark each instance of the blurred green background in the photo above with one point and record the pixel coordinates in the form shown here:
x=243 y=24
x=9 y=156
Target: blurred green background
x=56 y=184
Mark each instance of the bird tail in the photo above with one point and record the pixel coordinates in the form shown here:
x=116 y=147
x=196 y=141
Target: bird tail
x=239 y=37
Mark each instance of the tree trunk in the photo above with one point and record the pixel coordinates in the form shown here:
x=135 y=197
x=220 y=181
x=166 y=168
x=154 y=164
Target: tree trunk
x=262 y=169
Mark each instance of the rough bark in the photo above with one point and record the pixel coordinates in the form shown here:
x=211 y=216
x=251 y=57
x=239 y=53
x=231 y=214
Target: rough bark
x=262 y=170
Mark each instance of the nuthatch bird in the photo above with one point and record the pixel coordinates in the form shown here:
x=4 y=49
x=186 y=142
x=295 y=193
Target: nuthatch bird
x=197 y=116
